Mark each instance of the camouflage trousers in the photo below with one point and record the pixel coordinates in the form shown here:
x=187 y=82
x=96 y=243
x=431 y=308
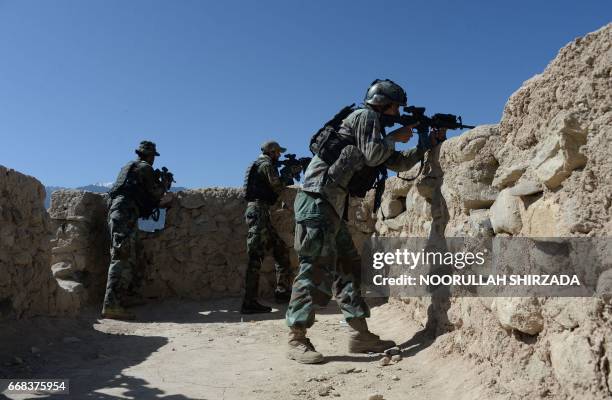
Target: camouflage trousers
x=329 y=264
x=123 y=227
x=261 y=238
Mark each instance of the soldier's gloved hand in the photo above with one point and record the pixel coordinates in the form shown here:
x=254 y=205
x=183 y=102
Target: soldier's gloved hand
x=166 y=200
x=437 y=136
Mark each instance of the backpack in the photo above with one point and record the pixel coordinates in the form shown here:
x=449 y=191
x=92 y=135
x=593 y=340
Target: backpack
x=327 y=143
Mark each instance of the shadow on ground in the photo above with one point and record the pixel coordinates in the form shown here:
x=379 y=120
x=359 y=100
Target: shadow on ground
x=225 y=310
x=98 y=361
x=93 y=361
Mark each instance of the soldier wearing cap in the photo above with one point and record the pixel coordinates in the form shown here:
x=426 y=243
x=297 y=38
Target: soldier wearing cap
x=137 y=192
x=262 y=186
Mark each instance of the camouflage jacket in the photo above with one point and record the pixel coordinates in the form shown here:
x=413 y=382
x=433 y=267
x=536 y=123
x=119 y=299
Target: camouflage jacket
x=138 y=185
x=370 y=138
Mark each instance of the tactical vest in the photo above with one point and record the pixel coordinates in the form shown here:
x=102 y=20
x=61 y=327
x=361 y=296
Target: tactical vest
x=328 y=143
x=256 y=186
x=128 y=185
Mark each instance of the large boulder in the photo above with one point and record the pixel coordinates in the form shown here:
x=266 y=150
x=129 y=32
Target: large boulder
x=469 y=166
x=520 y=313
x=506 y=213
x=559 y=154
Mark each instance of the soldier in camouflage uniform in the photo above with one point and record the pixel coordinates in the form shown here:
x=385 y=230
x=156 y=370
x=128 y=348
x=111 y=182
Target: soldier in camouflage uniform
x=329 y=262
x=262 y=188
x=136 y=193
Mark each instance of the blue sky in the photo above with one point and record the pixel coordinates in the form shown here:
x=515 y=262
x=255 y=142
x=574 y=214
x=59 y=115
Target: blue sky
x=82 y=82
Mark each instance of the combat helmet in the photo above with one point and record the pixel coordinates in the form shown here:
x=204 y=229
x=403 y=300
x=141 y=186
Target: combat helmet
x=146 y=148
x=384 y=92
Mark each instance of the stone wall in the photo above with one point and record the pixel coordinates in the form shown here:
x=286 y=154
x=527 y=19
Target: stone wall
x=200 y=253
x=80 y=248
x=26 y=286
x=544 y=171
x=50 y=263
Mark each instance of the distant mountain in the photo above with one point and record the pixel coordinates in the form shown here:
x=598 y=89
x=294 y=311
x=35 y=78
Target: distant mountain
x=97 y=187
x=144 y=225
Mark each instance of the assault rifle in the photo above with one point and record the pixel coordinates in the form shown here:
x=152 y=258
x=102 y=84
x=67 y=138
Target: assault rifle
x=293 y=167
x=416 y=115
x=165 y=177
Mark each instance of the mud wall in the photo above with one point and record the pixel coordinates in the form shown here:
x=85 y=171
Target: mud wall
x=200 y=253
x=25 y=279
x=544 y=171
x=80 y=248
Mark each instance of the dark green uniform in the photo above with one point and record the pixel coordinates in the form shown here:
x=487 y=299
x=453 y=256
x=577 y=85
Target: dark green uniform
x=265 y=186
x=134 y=194
x=329 y=263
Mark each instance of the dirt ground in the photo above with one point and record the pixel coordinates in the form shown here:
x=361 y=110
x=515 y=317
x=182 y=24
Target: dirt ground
x=208 y=350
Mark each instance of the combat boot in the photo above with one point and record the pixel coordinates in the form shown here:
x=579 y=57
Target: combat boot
x=117 y=312
x=300 y=348
x=363 y=341
x=253 y=307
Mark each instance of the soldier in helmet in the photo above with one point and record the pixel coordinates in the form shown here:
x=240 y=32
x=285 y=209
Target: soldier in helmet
x=262 y=187
x=329 y=262
x=137 y=193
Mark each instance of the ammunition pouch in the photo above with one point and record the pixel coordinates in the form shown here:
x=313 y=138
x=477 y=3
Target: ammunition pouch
x=342 y=171
x=328 y=144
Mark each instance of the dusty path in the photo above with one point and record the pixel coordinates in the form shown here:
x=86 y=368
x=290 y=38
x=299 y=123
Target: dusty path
x=207 y=350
